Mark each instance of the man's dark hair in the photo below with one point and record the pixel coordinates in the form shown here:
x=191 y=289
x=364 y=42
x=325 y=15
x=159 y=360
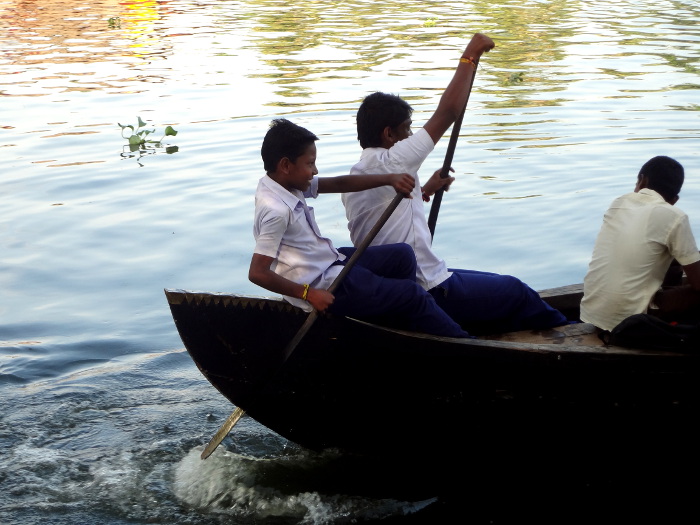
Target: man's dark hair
x=664 y=175
x=376 y=112
x=284 y=139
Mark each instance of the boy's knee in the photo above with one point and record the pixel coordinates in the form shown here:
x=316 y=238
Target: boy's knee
x=405 y=251
x=398 y=249
x=403 y=260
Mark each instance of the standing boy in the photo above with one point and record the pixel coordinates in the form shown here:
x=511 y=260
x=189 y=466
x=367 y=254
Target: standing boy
x=478 y=301
x=642 y=233
x=292 y=258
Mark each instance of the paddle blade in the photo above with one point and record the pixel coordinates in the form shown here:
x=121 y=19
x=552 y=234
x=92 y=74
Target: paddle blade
x=222 y=432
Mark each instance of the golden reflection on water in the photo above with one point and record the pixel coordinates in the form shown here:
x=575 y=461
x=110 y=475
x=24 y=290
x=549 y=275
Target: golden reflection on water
x=542 y=46
x=64 y=31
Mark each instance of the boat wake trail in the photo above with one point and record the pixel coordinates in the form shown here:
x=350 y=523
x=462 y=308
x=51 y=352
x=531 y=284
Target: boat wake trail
x=305 y=488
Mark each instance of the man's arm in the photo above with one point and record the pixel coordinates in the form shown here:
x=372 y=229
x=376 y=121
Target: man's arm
x=261 y=274
x=454 y=98
x=692 y=272
x=682 y=298
x=402 y=183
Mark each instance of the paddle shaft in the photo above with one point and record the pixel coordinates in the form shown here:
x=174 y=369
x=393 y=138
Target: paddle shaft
x=348 y=266
x=437 y=197
x=239 y=412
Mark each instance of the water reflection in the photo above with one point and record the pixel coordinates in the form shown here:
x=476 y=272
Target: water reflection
x=542 y=46
x=570 y=86
x=39 y=35
x=63 y=31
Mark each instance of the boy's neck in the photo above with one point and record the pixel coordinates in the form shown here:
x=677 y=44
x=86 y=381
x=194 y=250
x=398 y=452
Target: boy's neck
x=280 y=180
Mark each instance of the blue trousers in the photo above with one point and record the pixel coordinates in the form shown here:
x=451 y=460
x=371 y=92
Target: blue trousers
x=483 y=302
x=382 y=287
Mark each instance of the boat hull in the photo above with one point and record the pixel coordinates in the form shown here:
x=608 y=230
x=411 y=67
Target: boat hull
x=361 y=388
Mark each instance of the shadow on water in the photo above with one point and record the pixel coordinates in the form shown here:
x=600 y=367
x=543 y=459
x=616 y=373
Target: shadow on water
x=560 y=480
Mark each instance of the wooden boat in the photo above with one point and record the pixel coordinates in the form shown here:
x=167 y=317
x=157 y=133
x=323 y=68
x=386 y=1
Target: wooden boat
x=363 y=388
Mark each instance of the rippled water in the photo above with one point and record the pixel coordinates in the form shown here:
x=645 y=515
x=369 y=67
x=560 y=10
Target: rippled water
x=102 y=413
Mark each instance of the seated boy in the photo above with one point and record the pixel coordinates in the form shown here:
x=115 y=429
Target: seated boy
x=479 y=301
x=642 y=233
x=292 y=258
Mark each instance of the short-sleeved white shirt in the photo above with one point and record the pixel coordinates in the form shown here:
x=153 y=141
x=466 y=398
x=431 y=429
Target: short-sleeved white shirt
x=640 y=236
x=408 y=223
x=286 y=230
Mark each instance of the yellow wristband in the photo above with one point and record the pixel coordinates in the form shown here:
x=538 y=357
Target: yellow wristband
x=468 y=60
x=306 y=292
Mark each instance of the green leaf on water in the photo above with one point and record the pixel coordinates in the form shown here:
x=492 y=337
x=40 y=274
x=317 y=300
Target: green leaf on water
x=141 y=122
x=170 y=131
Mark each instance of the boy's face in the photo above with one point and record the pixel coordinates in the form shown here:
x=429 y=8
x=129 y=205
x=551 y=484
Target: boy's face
x=402 y=131
x=303 y=170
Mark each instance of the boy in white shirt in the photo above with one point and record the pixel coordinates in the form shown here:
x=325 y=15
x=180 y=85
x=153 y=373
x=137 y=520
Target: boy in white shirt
x=292 y=258
x=479 y=301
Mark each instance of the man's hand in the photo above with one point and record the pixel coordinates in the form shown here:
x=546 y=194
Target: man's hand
x=479 y=45
x=436 y=182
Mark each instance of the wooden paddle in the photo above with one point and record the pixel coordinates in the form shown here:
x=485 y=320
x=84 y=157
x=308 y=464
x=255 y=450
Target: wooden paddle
x=437 y=197
x=238 y=413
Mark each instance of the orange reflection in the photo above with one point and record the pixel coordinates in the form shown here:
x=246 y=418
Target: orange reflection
x=65 y=31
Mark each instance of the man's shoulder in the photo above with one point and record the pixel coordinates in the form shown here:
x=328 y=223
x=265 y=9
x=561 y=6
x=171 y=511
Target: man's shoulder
x=419 y=141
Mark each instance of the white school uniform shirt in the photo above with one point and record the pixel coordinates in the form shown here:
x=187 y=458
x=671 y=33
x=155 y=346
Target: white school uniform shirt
x=285 y=229
x=640 y=236
x=407 y=223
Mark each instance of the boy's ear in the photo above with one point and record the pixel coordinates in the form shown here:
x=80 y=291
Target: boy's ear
x=283 y=165
x=642 y=182
x=388 y=137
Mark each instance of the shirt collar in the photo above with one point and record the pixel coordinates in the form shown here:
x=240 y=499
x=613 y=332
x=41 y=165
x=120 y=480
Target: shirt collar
x=375 y=152
x=651 y=193
x=290 y=198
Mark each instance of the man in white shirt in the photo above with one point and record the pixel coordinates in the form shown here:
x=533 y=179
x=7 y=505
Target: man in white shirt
x=479 y=301
x=292 y=258
x=642 y=233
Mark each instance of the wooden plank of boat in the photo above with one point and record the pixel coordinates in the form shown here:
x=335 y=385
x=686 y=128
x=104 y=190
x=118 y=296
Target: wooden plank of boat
x=415 y=389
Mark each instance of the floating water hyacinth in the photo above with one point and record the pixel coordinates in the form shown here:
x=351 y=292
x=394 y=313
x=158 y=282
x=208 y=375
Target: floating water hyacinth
x=139 y=136
x=139 y=141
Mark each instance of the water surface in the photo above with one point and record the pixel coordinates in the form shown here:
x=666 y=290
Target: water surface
x=102 y=413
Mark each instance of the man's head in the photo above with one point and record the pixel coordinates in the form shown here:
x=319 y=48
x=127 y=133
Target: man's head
x=664 y=175
x=284 y=139
x=377 y=112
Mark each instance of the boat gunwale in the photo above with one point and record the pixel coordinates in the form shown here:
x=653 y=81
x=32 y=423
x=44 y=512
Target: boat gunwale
x=558 y=349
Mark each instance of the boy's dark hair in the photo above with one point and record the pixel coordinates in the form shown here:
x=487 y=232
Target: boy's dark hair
x=664 y=175
x=376 y=112
x=284 y=139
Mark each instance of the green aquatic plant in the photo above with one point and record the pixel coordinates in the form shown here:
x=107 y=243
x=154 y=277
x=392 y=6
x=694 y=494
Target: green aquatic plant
x=514 y=78
x=114 y=22
x=139 y=137
x=139 y=143
x=430 y=22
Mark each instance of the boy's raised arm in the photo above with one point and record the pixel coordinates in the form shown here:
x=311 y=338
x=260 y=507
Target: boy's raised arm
x=401 y=182
x=454 y=98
